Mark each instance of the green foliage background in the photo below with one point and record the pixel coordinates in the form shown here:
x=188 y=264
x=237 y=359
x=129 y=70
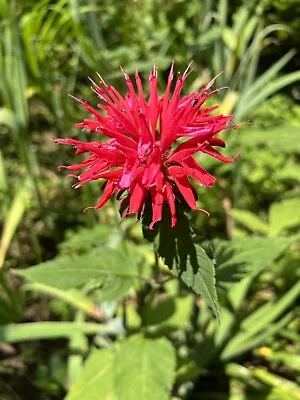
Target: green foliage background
x=87 y=308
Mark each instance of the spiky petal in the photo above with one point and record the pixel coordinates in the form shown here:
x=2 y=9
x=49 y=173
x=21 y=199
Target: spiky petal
x=143 y=157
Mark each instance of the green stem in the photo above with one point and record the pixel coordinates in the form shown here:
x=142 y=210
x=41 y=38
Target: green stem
x=78 y=347
x=13 y=333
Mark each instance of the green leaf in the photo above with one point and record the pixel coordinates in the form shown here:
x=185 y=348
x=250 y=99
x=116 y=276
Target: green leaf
x=159 y=311
x=145 y=369
x=86 y=239
x=284 y=215
x=8 y=118
x=270 y=88
x=283 y=136
x=256 y=321
x=266 y=78
x=110 y=268
x=181 y=317
x=236 y=258
x=140 y=368
x=71 y=296
x=241 y=344
x=250 y=221
x=189 y=261
x=283 y=388
x=238 y=262
x=292 y=361
x=290 y=171
x=256 y=250
x=97 y=380
x=13 y=218
x=199 y=275
x=259 y=325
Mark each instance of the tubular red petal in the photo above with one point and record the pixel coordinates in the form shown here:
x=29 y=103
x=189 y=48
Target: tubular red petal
x=157 y=207
x=194 y=170
x=183 y=185
x=113 y=175
x=137 y=195
x=215 y=141
x=170 y=198
x=153 y=101
x=142 y=102
x=168 y=88
x=108 y=192
x=214 y=153
x=186 y=190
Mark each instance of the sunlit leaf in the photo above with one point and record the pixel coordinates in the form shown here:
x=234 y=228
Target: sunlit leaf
x=139 y=368
x=189 y=261
x=284 y=215
x=145 y=369
x=97 y=379
x=108 y=267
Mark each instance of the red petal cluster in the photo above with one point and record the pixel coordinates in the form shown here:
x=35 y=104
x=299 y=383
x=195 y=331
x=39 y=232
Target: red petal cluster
x=150 y=146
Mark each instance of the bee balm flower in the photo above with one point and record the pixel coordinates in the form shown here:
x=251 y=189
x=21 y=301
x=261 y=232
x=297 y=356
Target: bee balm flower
x=150 y=144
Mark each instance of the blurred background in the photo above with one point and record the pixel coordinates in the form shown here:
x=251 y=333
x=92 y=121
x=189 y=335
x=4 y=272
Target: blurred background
x=48 y=48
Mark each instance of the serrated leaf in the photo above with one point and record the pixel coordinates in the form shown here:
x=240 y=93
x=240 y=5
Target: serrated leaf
x=114 y=287
x=145 y=369
x=189 y=261
x=236 y=258
x=140 y=368
x=284 y=215
x=255 y=250
x=200 y=276
x=110 y=268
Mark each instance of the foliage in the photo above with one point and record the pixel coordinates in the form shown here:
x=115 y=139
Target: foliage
x=152 y=372
x=89 y=309
x=286 y=12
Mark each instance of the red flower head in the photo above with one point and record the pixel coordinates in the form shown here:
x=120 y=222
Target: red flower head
x=143 y=159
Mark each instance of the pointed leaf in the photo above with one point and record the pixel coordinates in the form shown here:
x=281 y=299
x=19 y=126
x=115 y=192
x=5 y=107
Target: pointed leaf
x=140 y=368
x=189 y=261
x=96 y=381
x=199 y=275
x=284 y=215
x=250 y=221
x=145 y=369
x=111 y=268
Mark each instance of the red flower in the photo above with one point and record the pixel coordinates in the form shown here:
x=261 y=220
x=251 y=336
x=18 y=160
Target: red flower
x=143 y=158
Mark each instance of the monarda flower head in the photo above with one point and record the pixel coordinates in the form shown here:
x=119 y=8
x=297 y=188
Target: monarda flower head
x=149 y=147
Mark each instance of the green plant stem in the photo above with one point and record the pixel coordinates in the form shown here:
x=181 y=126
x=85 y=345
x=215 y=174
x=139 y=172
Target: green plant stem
x=13 y=333
x=155 y=270
x=78 y=347
x=124 y=314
